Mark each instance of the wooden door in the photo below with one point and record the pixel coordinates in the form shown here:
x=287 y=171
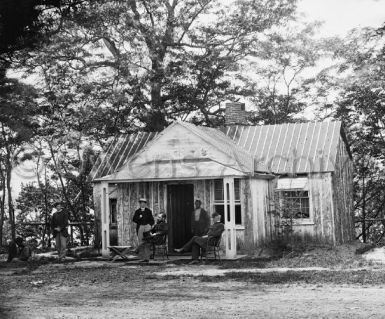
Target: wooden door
x=180 y=204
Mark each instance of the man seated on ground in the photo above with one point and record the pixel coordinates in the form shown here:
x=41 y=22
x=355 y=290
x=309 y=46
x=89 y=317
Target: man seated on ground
x=18 y=249
x=198 y=242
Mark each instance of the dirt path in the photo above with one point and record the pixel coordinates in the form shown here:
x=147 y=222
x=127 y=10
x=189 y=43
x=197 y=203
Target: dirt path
x=134 y=292
x=193 y=299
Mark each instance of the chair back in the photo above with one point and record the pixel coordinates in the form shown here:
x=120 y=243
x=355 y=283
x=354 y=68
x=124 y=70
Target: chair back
x=215 y=241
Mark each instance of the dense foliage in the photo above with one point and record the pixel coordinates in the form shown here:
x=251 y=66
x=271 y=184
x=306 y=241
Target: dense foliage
x=100 y=68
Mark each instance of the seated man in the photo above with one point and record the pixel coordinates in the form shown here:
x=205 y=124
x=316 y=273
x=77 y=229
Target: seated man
x=198 y=242
x=17 y=249
x=153 y=236
x=159 y=229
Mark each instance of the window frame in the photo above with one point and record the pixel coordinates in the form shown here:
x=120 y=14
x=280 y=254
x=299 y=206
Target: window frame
x=280 y=191
x=237 y=201
x=113 y=201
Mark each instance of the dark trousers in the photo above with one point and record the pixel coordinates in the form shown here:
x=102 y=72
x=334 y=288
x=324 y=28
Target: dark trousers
x=12 y=251
x=195 y=244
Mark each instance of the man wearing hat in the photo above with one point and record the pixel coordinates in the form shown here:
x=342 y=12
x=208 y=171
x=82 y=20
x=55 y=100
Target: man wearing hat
x=198 y=242
x=144 y=221
x=59 y=224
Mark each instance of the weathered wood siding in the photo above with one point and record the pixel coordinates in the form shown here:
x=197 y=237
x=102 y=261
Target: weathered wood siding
x=342 y=181
x=321 y=207
x=320 y=226
x=156 y=194
x=256 y=199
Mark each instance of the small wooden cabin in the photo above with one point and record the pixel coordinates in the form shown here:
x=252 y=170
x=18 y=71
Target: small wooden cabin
x=248 y=174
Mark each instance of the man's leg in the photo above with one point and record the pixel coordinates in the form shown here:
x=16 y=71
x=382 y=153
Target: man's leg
x=147 y=251
x=144 y=251
x=188 y=245
x=63 y=246
x=58 y=244
x=141 y=253
x=140 y=234
x=195 y=251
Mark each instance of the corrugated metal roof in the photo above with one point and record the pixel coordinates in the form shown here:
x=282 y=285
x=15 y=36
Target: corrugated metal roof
x=290 y=148
x=281 y=149
x=119 y=151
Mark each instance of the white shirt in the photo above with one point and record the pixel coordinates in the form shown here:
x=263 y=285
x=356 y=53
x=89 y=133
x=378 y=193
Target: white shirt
x=197 y=214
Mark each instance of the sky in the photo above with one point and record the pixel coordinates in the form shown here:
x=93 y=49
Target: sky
x=340 y=16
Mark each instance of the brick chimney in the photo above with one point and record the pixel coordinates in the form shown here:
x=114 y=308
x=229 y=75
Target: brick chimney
x=235 y=114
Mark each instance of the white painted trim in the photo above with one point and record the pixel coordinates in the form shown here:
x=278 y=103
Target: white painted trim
x=105 y=219
x=230 y=229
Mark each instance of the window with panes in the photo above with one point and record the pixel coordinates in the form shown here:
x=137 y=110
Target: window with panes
x=113 y=211
x=219 y=202
x=294 y=204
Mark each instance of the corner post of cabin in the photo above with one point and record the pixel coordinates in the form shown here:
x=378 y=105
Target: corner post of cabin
x=105 y=217
x=230 y=231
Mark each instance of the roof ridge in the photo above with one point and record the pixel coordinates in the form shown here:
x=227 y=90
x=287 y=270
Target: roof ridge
x=199 y=130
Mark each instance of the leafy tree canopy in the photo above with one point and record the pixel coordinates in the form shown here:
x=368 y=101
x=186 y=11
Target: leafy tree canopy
x=130 y=64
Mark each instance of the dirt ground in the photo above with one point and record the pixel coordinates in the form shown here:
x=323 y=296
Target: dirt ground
x=104 y=290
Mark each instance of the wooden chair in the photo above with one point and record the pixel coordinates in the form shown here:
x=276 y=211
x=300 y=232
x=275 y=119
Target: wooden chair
x=159 y=245
x=212 y=248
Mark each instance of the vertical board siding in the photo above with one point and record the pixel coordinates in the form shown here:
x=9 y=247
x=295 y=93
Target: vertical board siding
x=129 y=193
x=343 y=195
x=321 y=205
x=273 y=219
x=247 y=214
x=321 y=225
x=259 y=192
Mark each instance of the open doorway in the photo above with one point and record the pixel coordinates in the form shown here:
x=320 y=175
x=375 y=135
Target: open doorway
x=180 y=204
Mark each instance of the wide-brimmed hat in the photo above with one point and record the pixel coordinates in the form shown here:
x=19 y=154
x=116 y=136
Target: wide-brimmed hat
x=143 y=199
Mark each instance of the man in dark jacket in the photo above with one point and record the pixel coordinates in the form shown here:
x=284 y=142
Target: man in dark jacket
x=198 y=242
x=144 y=221
x=159 y=230
x=59 y=224
x=200 y=220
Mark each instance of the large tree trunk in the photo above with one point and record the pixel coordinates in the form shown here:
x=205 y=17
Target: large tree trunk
x=9 y=195
x=2 y=204
x=363 y=212
x=2 y=214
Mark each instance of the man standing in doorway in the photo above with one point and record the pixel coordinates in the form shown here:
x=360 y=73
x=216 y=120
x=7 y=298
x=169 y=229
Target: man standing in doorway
x=144 y=221
x=200 y=220
x=59 y=224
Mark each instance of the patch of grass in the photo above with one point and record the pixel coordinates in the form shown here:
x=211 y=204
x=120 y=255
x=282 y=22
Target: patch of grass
x=343 y=256
x=362 y=277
